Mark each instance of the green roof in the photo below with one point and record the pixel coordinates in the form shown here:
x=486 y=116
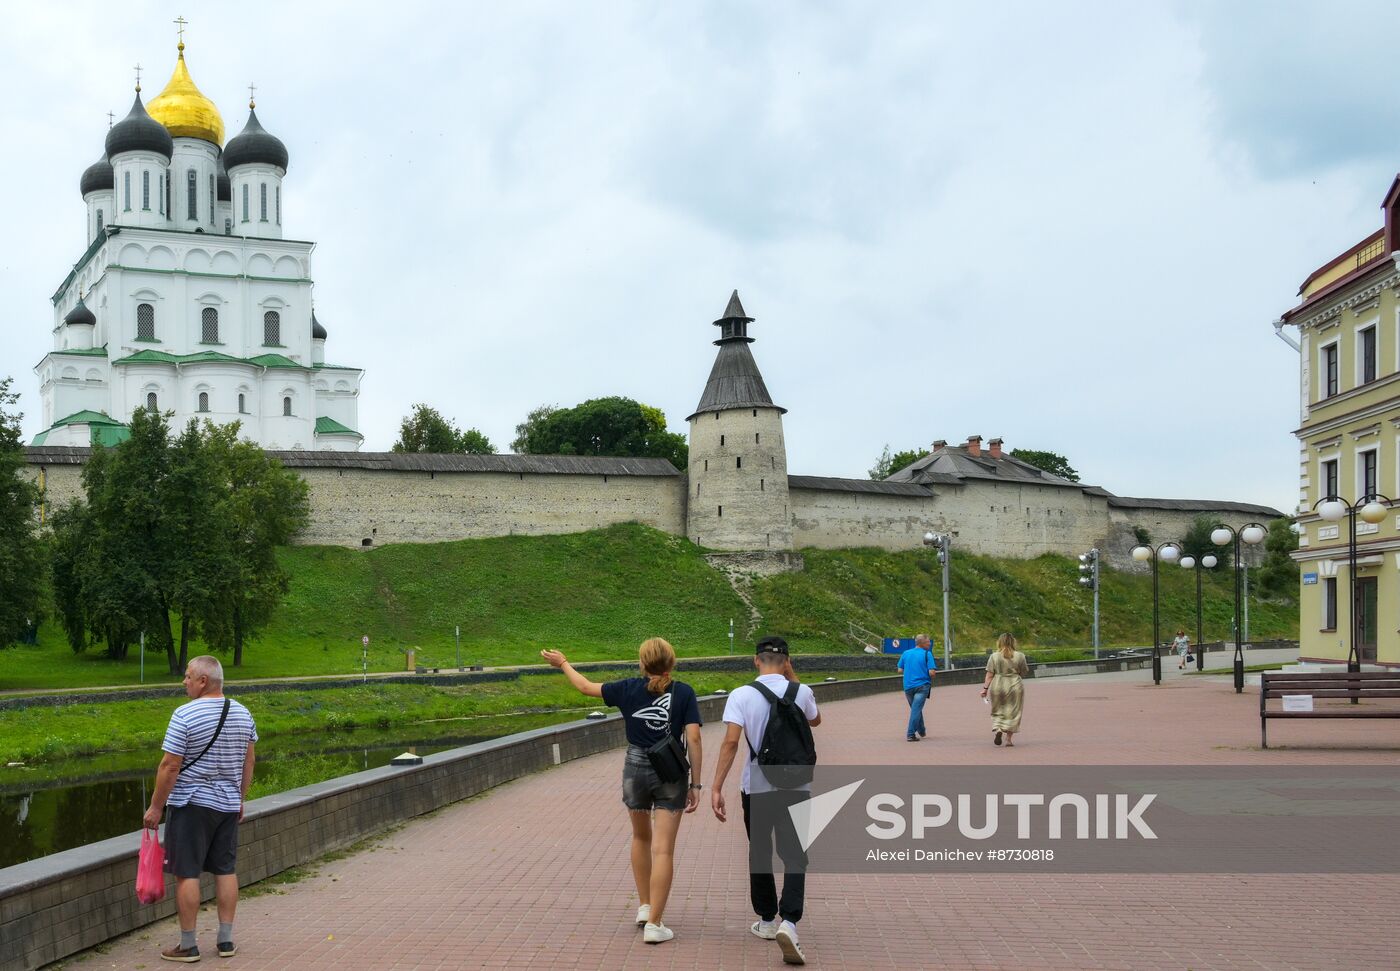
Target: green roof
x=336 y=367
x=329 y=426
x=84 y=352
x=103 y=429
x=275 y=360
x=86 y=418
x=208 y=357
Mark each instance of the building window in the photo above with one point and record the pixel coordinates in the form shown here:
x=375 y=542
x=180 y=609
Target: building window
x=721 y=512
x=287 y=407
x=126 y=192
x=760 y=485
x=209 y=325
x=213 y=198
x=204 y=401
x=1367 y=473
x=1329 y=478
x=191 y=196
x=707 y=465
x=145 y=190
x=721 y=441
x=262 y=201
x=272 y=328
x=277 y=195
x=160 y=192
x=245 y=202
x=1329 y=603
x=1366 y=347
x=99 y=221
x=738 y=461
x=1329 y=370
x=145 y=322
x=755 y=438
x=242 y=407
x=697 y=490
x=151 y=401
x=228 y=227
x=169 y=208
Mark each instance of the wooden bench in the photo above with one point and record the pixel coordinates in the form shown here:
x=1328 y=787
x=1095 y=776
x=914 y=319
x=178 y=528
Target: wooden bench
x=1331 y=686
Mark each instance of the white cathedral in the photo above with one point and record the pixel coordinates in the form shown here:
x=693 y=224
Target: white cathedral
x=188 y=298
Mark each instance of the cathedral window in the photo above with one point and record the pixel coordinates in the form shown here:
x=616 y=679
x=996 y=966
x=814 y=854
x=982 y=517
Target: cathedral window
x=287 y=407
x=204 y=401
x=277 y=195
x=126 y=192
x=272 y=329
x=262 y=201
x=146 y=190
x=242 y=405
x=169 y=206
x=245 y=202
x=160 y=192
x=99 y=221
x=191 y=196
x=213 y=198
x=209 y=325
x=228 y=227
x=151 y=401
x=145 y=322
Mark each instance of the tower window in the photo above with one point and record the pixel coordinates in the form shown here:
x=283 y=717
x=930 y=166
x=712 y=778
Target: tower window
x=775 y=461
x=204 y=401
x=755 y=438
x=697 y=490
x=209 y=325
x=228 y=227
x=262 y=201
x=242 y=406
x=145 y=190
x=738 y=461
x=287 y=407
x=721 y=441
x=755 y=412
x=721 y=512
x=277 y=195
x=213 y=198
x=245 y=202
x=707 y=465
x=99 y=220
x=126 y=193
x=760 y=485
x=169 y=206
x=145 y=322
x=272 y=329
x=151 y=401
x=160 y=192
x=191 y=196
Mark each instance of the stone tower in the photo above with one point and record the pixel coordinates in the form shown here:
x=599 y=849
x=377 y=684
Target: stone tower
x=738 y=462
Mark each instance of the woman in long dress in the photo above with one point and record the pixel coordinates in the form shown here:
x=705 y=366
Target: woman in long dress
x=1005 y=669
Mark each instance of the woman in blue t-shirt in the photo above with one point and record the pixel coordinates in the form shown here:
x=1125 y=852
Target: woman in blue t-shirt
x=651 y=706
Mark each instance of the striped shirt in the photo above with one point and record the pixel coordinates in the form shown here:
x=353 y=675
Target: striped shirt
x=216 y=781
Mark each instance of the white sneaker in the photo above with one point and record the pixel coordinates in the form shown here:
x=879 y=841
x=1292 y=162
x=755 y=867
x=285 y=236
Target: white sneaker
x=643 y=914
x=787 y=941
x=766 y=929
x=657 y=933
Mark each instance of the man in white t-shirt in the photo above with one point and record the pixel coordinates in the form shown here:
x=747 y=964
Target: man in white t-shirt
x=746 y=717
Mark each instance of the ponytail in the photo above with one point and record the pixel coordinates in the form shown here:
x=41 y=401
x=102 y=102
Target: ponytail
x=657 y=659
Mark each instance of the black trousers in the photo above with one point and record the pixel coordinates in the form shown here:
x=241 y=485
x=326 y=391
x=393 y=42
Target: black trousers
x=774 y=826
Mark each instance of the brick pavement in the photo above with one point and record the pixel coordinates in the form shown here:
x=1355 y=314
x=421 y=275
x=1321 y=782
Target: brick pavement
x=535 y=873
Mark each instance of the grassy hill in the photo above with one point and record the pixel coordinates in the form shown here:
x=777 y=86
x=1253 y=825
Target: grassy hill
x=597 y=595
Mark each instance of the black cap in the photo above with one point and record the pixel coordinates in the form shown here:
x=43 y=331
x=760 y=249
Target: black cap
x=254 y=144
x=772 y=644
x=138 y=132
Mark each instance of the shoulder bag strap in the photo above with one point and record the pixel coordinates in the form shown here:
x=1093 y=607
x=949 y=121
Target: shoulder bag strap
x=223 y=716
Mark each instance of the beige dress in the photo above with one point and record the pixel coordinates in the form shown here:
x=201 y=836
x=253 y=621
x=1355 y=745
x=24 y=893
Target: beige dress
x=1005 y=691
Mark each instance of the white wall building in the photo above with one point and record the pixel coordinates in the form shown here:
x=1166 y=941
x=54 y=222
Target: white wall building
x=188 y=298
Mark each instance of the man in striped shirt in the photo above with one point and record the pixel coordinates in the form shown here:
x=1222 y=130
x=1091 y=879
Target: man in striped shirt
x=202 y=779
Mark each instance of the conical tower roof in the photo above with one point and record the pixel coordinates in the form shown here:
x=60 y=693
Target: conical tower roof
x=735 y=381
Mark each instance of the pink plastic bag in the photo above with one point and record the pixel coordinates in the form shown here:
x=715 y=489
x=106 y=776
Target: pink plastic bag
x=150 y=869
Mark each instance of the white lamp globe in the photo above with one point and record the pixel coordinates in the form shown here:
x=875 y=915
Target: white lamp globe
x=1188 y=562
x=1209 y=561
x=928 y=538
x=1141 y=553
x=1253 y=534
x=1332 y=510
x=1169 y=553
x=1221 y=536
x=1373 y=512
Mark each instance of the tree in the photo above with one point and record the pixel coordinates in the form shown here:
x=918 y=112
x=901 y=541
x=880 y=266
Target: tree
x=21 y=549
x=1277 y=577
x=426 y=430
x=601 y=426
x=1052 y=462
x=192 y=531
x=1197 y=543
x=887 y=465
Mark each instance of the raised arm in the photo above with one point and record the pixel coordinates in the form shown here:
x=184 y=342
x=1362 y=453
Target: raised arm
x=558 y=660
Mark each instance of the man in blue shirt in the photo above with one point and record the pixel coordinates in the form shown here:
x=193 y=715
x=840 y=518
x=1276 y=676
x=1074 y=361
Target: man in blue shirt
x=918 y=666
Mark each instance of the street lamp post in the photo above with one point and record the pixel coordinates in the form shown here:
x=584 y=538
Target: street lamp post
x=1191 y=563
x=944 y=544
x=1372 y=508
x=1222 y=535
x=1169 y=552
x=1089 y=577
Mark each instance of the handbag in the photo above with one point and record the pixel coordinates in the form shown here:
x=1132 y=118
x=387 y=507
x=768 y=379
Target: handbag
x=667 y=757
x=150 y=869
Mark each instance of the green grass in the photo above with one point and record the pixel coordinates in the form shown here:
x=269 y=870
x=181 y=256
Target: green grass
x=597 y=595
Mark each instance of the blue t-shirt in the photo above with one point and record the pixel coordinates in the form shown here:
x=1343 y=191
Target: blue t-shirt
x=645 y=715
x=916 y=663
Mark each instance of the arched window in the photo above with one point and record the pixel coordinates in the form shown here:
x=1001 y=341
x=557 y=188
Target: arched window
x=245 y=202
x=209 y=320
x=145 y=189
x=272 y=328
x=204 y=401
x=169 y=206
x=151 y=401
x=213 y=198
x=126 y=192
x=160 y=192
x=278 y=196
x=242 y=407
x=287 y=406
x=99 y=220
x=145 y=322
x=191 y=197
x=262 y=201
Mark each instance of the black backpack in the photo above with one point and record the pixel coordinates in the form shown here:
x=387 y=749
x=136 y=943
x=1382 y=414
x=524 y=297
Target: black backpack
x=787 y=754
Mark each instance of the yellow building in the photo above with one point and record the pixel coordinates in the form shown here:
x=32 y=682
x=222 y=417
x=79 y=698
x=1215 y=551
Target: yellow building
x=1348 y=324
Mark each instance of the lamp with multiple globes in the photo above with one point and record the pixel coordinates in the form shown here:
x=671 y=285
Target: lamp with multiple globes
x=1372 y=508
x=1169 y=552
x=1222 y=535
x=1207 y=562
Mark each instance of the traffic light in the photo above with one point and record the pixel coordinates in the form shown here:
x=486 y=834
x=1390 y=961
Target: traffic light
x=1089 y=569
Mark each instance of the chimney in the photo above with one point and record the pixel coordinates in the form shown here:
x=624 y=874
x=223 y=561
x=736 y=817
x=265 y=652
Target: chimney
x=939 y=444
x=995 y=445
x=974 y=445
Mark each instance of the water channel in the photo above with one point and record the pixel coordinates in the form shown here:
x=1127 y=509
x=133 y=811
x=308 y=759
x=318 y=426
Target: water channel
x=86 y=800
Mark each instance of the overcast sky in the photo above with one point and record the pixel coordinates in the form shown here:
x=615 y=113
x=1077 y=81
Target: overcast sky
x=1069 y=225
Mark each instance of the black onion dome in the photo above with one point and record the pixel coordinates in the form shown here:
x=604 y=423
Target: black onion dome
x=80 y=314
x=318 y=333
x=252 y=145
x=139 y=132
x=97 y=177
x=225 y=189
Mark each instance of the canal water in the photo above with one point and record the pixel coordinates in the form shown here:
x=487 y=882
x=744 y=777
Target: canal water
x=99 y=797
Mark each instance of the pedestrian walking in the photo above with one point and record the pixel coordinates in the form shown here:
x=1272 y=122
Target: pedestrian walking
x=774 y=716
x=917 y=665
x=1005 y=669
x=201 y=783
x=660 y=773
x=1182 y=645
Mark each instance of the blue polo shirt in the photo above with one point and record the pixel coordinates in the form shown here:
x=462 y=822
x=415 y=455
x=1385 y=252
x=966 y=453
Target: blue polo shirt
x=916 y=663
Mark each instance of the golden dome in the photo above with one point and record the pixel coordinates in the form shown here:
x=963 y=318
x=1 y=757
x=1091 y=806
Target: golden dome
x=184 y=111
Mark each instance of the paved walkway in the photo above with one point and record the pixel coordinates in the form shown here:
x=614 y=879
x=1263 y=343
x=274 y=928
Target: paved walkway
x=535 y=875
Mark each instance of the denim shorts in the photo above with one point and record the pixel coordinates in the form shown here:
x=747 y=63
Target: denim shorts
x=643 y=791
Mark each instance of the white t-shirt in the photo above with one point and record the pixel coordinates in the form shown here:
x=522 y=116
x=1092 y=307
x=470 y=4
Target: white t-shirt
x=748 y=708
